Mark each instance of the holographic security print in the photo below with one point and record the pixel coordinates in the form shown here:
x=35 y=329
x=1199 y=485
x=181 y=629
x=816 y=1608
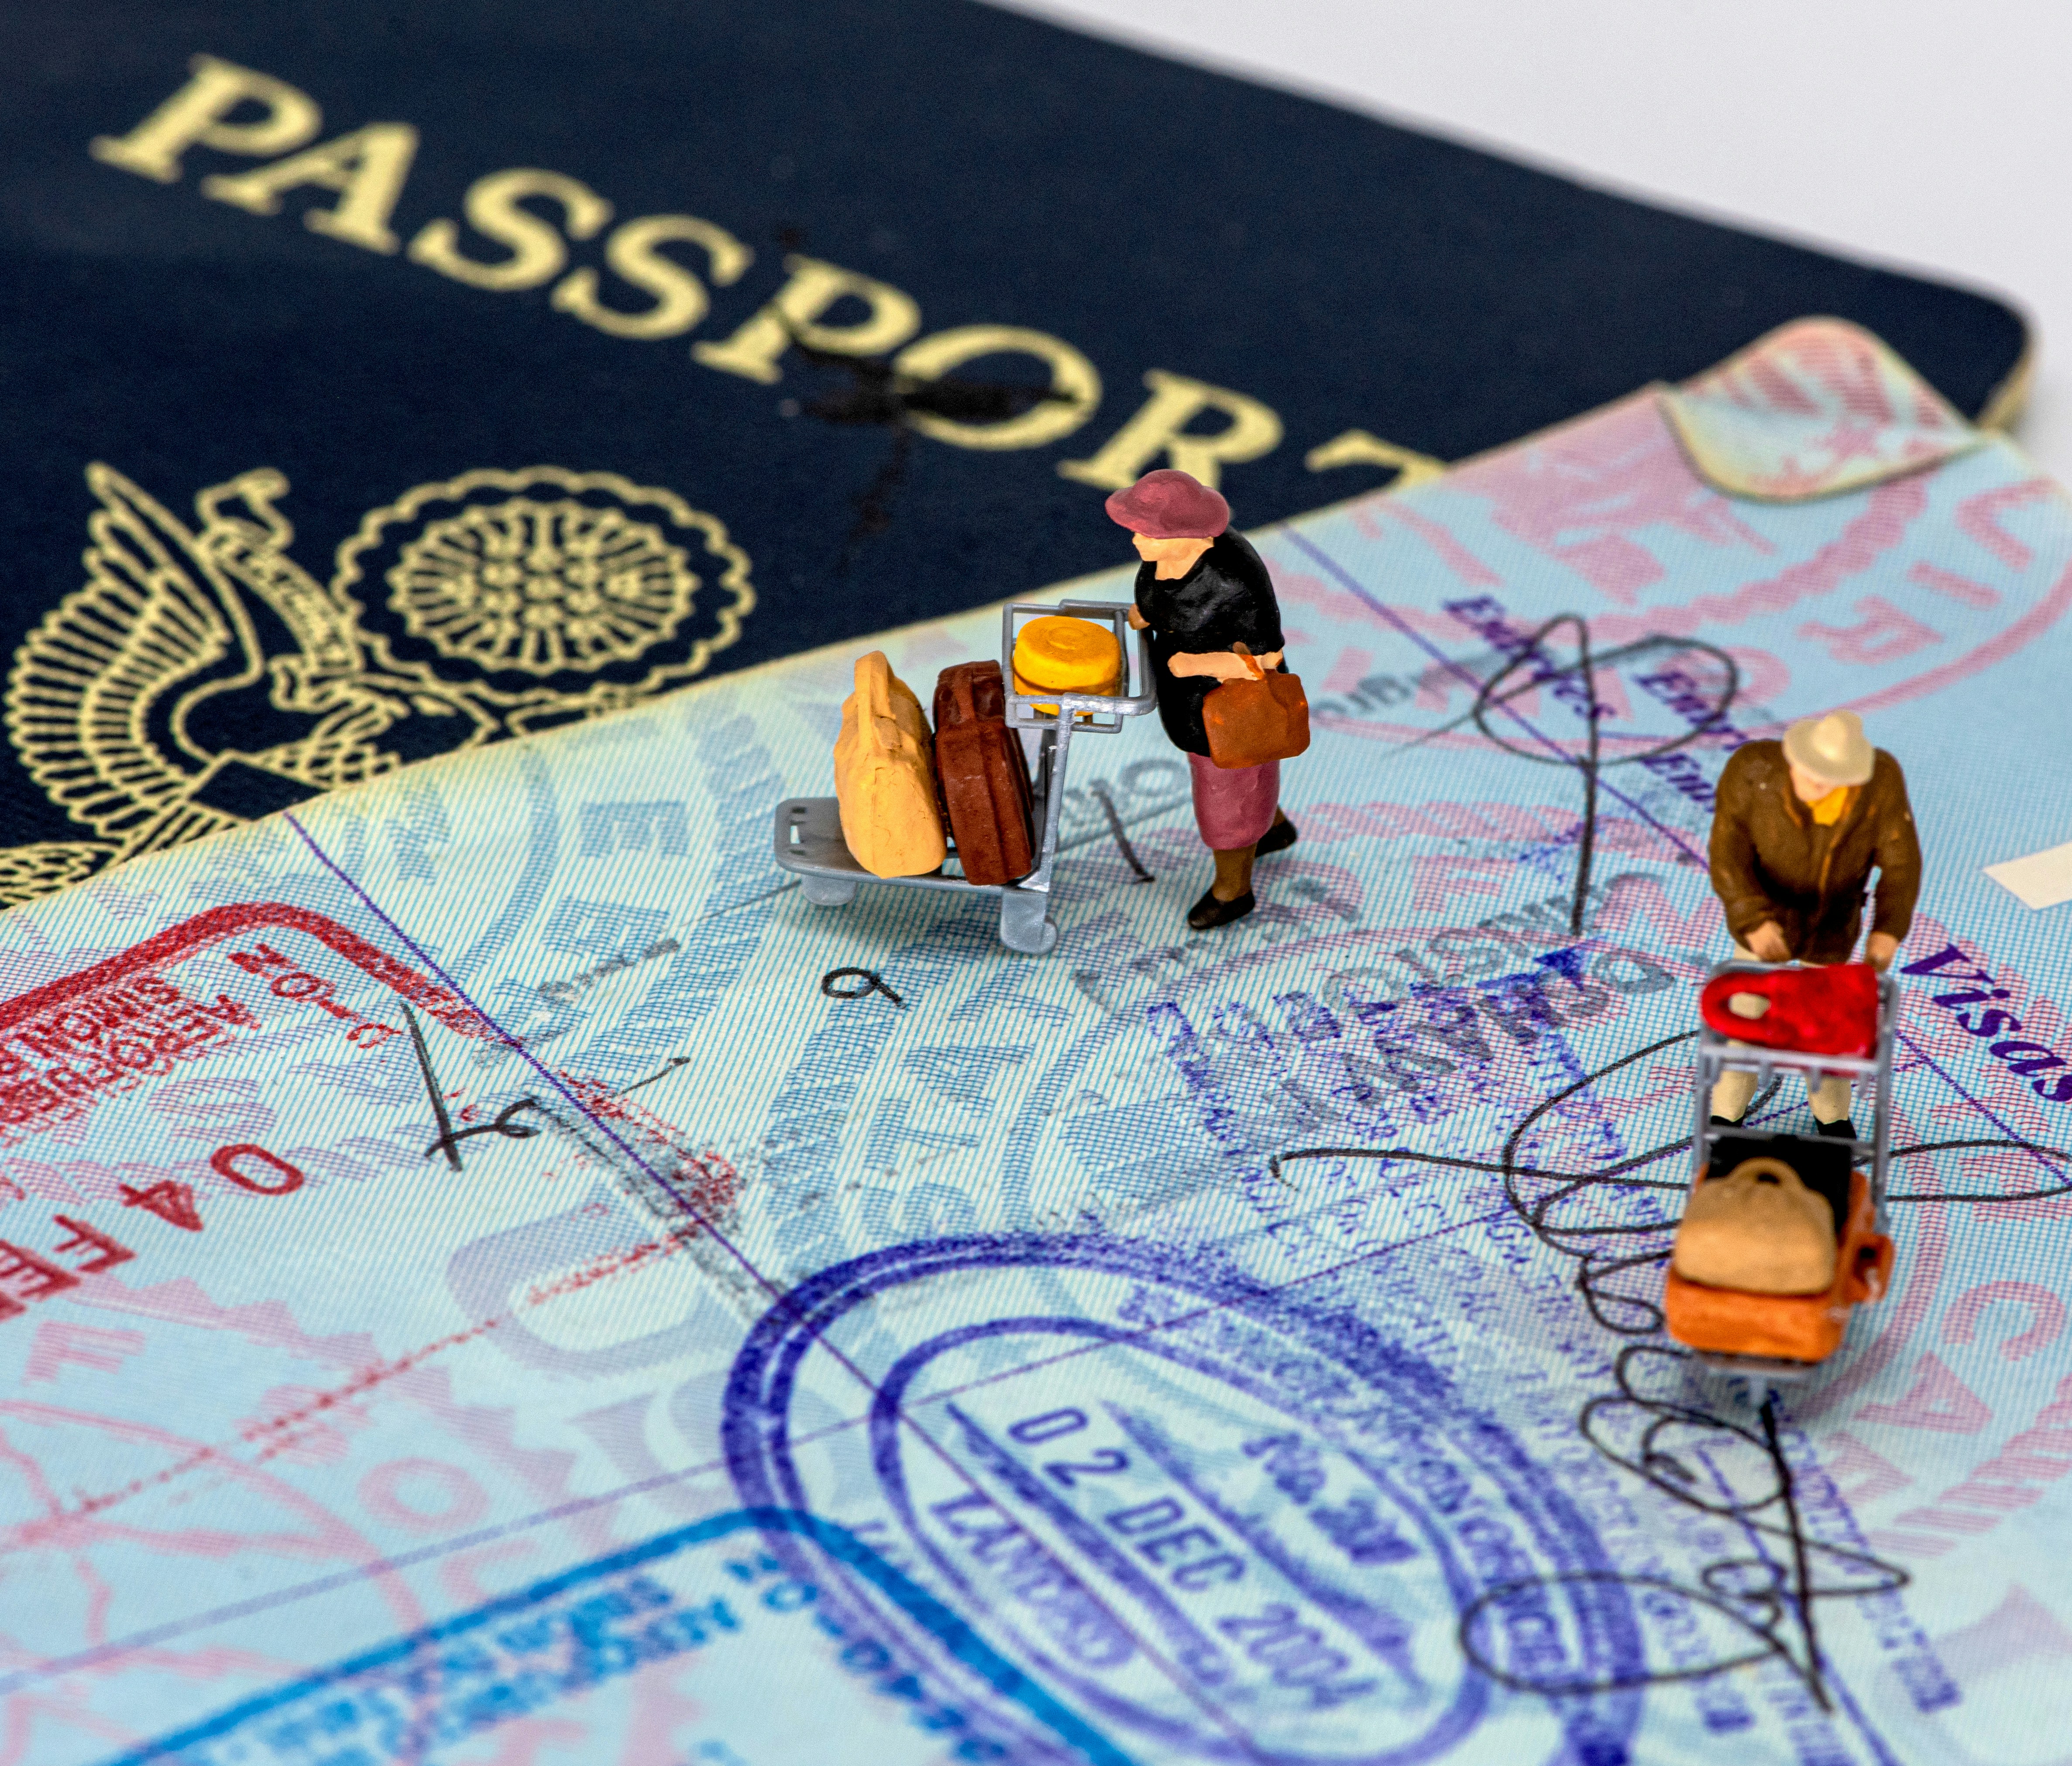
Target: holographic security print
x=489 y=1272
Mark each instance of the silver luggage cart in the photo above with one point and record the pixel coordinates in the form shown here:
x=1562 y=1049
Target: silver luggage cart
x=1718 y=1054
x=809 y=843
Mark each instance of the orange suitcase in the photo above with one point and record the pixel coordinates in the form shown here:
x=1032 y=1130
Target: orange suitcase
x=981 y=775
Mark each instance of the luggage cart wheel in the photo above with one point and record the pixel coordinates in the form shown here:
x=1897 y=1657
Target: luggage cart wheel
x=1024 y=924
x=1042 y=944
x=828 y=892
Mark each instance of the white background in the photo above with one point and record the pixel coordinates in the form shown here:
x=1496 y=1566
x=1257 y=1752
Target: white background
x=1933 y=135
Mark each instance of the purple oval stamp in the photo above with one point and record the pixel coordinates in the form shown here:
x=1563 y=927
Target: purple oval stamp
x=1218 y=1522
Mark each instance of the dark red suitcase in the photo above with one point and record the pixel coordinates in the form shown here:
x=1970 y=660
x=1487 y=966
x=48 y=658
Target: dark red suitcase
x=982 y=775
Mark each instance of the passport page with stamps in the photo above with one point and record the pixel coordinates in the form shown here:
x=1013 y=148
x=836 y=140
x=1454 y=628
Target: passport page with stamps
x=491 y=1272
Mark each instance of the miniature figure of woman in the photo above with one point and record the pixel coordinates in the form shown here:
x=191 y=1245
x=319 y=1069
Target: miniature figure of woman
x=1201 y=591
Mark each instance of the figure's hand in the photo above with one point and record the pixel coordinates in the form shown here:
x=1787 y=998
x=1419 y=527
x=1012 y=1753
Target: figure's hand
x=1224 y=664
x=1879 y=950
x=1138 y=622
x=1767 y=942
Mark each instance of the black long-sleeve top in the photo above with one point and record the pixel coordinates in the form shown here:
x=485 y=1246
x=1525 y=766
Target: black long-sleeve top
x=1226 y=599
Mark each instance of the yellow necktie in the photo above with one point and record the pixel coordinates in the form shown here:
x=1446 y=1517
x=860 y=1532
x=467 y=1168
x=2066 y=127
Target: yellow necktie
x=1827 y=810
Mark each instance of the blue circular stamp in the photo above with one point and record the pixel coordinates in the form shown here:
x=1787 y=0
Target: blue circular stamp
x=1220 y=1522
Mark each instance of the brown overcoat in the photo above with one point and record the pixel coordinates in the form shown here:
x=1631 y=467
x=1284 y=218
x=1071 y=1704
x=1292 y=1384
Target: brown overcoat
x=1771 y=860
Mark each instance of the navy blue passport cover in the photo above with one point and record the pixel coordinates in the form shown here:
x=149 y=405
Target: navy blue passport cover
x=380 y=379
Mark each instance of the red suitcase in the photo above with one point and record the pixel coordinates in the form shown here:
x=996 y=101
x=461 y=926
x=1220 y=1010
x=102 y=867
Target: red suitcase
x=981 y=775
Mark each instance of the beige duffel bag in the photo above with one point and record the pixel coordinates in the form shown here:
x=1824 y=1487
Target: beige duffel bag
x=1758 y=1230
x=884 y=775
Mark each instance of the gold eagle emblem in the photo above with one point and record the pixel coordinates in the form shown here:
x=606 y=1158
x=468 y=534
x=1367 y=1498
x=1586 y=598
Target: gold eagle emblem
x=514 y=600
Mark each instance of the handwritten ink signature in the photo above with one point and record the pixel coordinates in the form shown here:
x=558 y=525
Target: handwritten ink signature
x=502 y=1125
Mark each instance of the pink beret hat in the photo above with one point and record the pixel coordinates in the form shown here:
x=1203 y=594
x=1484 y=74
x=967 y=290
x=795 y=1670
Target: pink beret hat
x=1170 y=504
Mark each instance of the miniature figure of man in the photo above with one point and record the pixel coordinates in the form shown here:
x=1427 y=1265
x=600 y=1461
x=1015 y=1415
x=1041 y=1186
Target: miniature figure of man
x=1200 y=590
x=1798 y=828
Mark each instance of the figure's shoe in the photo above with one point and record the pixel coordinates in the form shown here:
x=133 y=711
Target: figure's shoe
x=1276 y=838
x=1726 y=1122
x=1843 y=1130
x=1208 y=912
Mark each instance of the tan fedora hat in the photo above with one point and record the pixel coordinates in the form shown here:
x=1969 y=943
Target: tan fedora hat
x=1834 y=748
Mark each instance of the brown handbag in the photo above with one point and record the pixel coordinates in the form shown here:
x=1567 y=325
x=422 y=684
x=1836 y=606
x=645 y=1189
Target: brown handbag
x=1251 y=722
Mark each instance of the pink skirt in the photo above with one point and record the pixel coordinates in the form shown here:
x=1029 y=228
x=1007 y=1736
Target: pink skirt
x=1233 y=805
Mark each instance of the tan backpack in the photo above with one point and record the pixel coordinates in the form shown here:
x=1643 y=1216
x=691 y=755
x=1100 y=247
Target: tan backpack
x=885 y=779
x=1758 y=1230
